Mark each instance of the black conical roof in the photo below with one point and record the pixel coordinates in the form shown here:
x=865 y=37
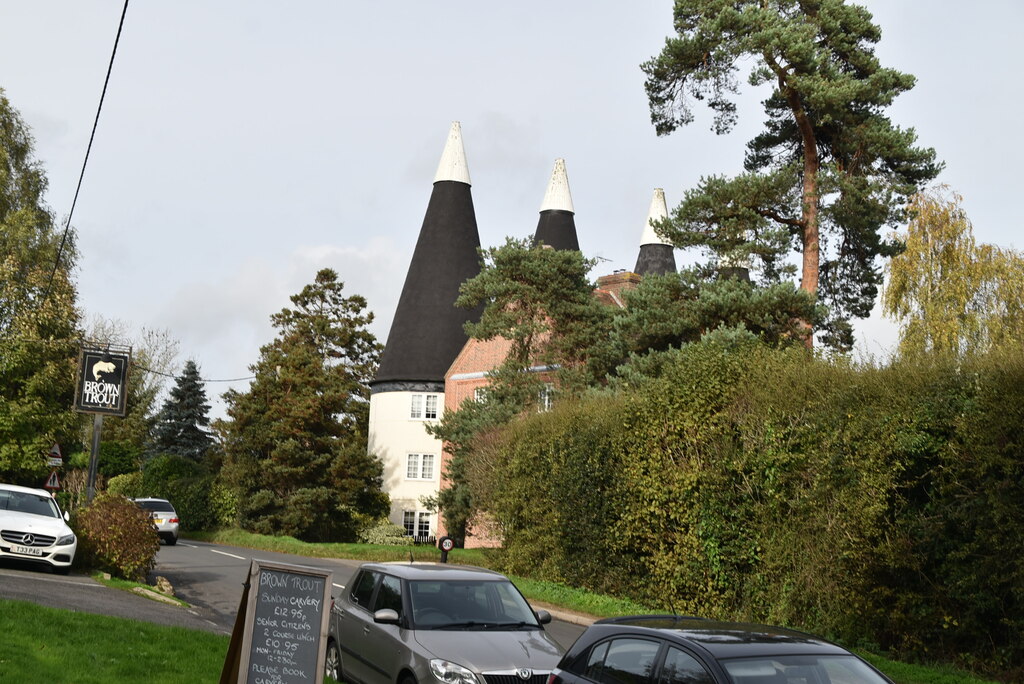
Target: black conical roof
x=557 y=228
x=427 y=331
x=655 y=259
x=656 y=254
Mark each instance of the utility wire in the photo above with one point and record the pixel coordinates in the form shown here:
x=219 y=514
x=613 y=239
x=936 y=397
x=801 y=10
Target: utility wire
x=68 y=342
x=95 y=123
x=168 y=375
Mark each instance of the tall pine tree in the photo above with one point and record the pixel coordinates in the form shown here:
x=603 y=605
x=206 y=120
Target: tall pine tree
x=181 y=429
x=295 y=444
x=829 y=171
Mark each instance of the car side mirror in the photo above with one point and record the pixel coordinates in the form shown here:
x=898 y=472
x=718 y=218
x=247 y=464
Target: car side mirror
x=543 y=616
x=386 y=616
x=67 y=516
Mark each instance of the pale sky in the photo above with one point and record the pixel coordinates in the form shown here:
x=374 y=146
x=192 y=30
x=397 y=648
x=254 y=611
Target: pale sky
x=245 y=144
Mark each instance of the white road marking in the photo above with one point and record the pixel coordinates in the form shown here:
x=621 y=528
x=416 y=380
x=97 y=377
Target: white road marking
x=225 y=553
x=191 y=546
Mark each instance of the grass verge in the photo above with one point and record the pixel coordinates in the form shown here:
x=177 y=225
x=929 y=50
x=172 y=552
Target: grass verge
x=365 y=552
x=43 y=644
x=907 y=673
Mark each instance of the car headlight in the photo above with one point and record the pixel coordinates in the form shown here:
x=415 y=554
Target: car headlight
x=450 y=673
x=65 y=540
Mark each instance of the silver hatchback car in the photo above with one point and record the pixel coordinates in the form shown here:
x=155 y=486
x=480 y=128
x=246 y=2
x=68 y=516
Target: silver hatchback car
x=165 y=518
x=430 y=623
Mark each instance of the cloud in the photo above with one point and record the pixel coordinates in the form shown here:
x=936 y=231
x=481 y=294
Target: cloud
x=222 y=322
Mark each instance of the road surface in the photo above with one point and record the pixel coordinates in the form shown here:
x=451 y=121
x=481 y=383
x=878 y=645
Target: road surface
x=207 y=576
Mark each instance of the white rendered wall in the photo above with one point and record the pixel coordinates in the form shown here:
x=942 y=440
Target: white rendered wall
x=393 y=436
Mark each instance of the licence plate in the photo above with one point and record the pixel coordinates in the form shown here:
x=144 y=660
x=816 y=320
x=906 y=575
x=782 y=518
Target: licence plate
x=27 y=550
x=158 y=521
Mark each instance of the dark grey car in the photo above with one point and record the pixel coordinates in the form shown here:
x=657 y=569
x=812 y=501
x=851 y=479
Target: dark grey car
x=671 y=649
x=422 y=623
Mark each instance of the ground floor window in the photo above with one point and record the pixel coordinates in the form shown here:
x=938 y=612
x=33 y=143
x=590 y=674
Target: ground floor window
x=417 y=524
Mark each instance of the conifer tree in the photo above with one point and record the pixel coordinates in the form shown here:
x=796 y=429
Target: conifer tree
x=542 y=302
x=830 y=169
x=295 y=444
x=181 y=429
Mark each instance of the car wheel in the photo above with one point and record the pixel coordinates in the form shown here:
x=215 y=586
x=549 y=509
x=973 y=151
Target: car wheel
x=408 y=679
x=171 y=541
x=332 y=663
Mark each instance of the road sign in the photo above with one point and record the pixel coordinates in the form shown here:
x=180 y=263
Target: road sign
x=54 y=459
x=52 y=482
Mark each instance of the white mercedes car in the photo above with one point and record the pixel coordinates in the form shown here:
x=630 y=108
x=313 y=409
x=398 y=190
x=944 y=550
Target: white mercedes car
x=33 y=528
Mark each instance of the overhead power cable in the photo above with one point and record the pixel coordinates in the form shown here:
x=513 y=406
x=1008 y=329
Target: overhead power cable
x=85 y=162
x=168 y=375
x=76 y=342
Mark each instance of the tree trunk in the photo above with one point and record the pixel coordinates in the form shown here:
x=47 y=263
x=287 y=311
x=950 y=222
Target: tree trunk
x=809 y=212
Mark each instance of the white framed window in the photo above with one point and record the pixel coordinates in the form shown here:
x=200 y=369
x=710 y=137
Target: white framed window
x=419 y=466
x=409 y=523
x=423 y=407
x=480 y=394
x=423 y=525
x=416 y=524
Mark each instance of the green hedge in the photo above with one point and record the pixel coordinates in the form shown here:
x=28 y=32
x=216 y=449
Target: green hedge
x=878 y=506
x=200 y=499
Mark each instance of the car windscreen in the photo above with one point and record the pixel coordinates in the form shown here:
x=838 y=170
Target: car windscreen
x=469 y=604
x=159 y=506
x=837 y=669
x=25 y=502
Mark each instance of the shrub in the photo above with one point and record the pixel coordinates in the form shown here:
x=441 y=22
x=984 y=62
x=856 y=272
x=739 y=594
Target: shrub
x=385 y=532
x=118 y=457
x=160 y=471
x=223 y=504
x=116 y=536
x=128 y=485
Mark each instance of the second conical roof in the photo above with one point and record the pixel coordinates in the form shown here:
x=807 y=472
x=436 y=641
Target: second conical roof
x=556 y=226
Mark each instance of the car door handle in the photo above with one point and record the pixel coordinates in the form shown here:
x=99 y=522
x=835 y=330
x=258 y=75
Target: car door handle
x=366 y=630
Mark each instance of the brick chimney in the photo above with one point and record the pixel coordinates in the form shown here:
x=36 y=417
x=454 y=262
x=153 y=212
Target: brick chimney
x=610 y=287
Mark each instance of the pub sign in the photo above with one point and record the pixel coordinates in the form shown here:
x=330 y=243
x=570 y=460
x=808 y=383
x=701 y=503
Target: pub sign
x=102 y=381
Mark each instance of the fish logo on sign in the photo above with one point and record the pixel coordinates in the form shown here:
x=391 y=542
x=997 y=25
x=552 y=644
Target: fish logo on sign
x=102 y=376
x=103 y=368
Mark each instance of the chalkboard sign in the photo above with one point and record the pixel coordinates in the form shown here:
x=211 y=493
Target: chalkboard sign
x=283 y=619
